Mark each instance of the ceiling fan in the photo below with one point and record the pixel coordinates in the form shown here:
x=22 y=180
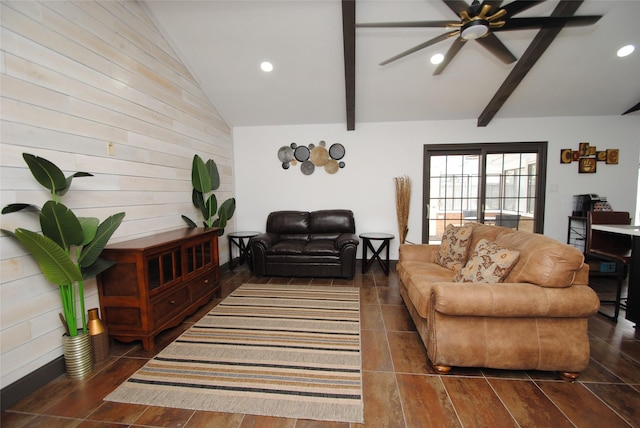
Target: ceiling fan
x=479 y=21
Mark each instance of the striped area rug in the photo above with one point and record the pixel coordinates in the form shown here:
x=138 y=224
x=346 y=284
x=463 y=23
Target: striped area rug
x=275 y=350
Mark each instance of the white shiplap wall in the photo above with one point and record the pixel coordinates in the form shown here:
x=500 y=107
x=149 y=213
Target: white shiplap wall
x=76 y=75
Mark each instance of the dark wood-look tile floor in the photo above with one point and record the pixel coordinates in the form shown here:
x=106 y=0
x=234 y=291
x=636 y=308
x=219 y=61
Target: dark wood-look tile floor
x=400 y=388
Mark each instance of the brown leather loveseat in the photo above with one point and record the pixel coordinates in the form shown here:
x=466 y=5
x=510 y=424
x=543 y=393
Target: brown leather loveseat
x=533 y=316
x=304 y=244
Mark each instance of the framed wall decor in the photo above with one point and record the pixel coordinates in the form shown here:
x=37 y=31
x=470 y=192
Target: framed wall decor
x=566 y=156
x=588 y=157
x=587 y=165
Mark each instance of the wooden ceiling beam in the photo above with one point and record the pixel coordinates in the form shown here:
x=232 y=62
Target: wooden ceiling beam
x=632 y=109
x=535 y=50
x=349 y=41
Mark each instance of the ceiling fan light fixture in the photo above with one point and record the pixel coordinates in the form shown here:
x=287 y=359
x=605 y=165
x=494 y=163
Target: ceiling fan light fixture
x=474 y=29
x=437 y=59
x=626 y=50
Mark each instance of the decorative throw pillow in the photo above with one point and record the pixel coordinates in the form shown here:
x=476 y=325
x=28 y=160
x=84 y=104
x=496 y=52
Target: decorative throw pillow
x=454 y=247
x=489 y=262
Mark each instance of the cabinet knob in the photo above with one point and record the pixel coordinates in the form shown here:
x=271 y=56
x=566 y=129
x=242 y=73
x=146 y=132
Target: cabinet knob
x=206 y=281
x=173 y=302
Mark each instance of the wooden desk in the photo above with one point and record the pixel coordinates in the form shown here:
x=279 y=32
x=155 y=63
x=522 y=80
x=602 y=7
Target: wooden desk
x=633 y=291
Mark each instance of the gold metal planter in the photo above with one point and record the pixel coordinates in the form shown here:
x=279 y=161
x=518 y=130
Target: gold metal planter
x=78 y=358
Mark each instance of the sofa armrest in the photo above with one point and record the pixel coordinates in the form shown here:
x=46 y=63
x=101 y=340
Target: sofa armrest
x=265 y=240
x=418 y=252
x=346 y=239
x=513 y=300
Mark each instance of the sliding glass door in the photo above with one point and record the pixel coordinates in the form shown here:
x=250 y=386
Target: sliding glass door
x=492 y=183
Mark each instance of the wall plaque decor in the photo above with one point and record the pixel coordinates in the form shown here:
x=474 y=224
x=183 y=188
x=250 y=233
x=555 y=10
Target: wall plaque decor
x=312 y=156
x=588 y=157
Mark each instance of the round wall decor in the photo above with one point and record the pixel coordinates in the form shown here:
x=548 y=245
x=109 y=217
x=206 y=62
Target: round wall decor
x=312 y=156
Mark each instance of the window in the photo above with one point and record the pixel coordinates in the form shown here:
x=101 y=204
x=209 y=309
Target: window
x=493 y=183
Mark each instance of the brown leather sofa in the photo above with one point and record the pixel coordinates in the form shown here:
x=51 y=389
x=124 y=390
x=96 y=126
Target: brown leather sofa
x=536 y=319
x=304 y=244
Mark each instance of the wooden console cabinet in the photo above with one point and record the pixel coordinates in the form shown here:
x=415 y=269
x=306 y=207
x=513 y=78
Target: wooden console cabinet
x=157 y=282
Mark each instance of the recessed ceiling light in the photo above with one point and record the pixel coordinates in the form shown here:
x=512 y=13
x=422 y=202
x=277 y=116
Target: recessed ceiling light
x=266 y=66
x=437 y=59
x=626 y=50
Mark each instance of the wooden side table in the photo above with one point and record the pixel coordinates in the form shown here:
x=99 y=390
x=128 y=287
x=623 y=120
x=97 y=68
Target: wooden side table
x=366 y=244
x=238 y=239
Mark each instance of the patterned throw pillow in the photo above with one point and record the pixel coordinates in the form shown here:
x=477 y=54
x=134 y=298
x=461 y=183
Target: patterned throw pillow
x=454 y=247
x=489 y=262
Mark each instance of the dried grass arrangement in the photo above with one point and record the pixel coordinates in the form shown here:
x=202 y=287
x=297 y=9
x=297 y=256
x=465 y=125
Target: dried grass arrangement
x=403 y=198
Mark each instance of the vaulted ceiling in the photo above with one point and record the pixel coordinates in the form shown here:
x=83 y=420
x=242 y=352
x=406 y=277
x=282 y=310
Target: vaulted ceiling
x=224 y=42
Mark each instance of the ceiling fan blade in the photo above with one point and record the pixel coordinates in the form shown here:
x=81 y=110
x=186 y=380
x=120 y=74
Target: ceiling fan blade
x=452 y=52
x=496 y=47
x=632 y=109
x=548 y=22
x=420 y=46
x=457 y=6
x=517 y=6
x=418 y=24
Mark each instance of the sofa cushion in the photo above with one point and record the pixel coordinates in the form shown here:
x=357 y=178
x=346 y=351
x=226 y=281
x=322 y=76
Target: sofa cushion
x=489 y=262
x=331 y=221
x=288 y=222
x=543 y=260
x=287 y=247
x=454 y=247
x=324 y=236
x=319 y=247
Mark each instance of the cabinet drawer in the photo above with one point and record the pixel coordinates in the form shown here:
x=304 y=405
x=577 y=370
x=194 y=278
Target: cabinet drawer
x=204 y=284
x=168 y=305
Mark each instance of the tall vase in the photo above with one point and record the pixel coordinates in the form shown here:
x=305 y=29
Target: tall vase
x=99 y=337
x=78 y=358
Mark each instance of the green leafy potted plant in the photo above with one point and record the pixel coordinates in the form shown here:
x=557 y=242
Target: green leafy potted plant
x=68 y=248
x=205 y=179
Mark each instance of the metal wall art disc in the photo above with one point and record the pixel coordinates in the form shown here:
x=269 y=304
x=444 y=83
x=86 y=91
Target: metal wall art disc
x=312 y=156
x=307 y=167
x=285 y=154
x=302 y=153
x=336 y=151
x=332 y=166
x=319 y=156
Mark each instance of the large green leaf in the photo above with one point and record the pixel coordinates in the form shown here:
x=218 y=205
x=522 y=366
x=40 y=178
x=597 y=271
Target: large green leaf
x=60 y=224
x=211 y=207
x=192 y=224
x=54 y=262
x=70 y=178
x=222 y=219
x=200 y=175
x=97 y=267
x=229 y=207
x=13 y=208
x=212 y=168
x=46 y=173
x=89 y=228
x=198 y=199
x=91 y=251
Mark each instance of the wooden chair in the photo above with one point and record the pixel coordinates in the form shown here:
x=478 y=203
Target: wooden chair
x=612 y=247
x=508 y=220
